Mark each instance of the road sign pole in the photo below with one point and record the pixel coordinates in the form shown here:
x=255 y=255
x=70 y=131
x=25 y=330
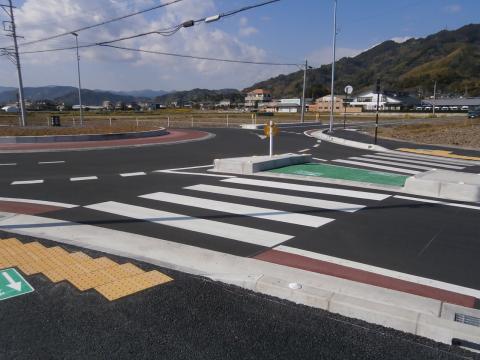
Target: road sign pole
x=271 y=138
x=378 y=105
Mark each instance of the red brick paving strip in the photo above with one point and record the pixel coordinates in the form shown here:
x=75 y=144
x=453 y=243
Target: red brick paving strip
x=322 y=267
x=26 y=208
x=173 y=136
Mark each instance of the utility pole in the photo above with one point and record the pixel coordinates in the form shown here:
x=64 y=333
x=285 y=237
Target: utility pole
x=378 y=105
x=15 y=58
x=434 y=97
x=332 y=99
x=302 y=119
x=79 y=82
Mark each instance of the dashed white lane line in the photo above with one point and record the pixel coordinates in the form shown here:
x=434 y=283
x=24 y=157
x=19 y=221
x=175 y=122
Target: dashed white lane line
x=304 y=150
x=27 y=182
x=193 y=173
x=389 y=168
x=9 y=164
x=84 y=178
x=210 y=227
x=438 y=202
x=51 y=162
x=381 y=271
x=316 y=145
x=39 y=202
x=240 y=209
x=318 y=159
x=140 y=173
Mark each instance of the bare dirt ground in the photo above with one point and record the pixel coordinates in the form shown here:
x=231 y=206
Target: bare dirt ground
x=39 y=131
x=463 y=133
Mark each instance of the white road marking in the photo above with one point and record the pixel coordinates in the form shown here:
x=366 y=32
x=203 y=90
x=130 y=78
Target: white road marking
x=188 y=168
x=443 y=160
x=381 y=271
x=438 y=202
x=389 y=168
x=316 y=145
x=280 y=198
x=239 y=209
x=9 y=164
x=308 y=188
x=51 y=162
x=215 y=228
x=192 y=173
x=39 y=202
x=27 y=182
x=140 y=173
x=436 y=165
x=304 y=150
x=318 y=159
x=84 y=178
x=387 y=162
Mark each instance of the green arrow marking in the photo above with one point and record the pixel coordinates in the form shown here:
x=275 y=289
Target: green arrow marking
x=13 y=284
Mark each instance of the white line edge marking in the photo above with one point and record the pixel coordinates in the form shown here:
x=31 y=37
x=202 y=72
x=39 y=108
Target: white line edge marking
x=316 y=145
x=188 y=168
x=210 y=227
x=51 y=162
x=140 y=173
x=9 y=164
x=240 y=209
x=318 y=159
x=39 y=202
x=84 y=178
x=381 y=271
x=437 y=202
x=309 y=188
x=192 y=173
x=375 y=166
x=304 y=150
x=27 y=182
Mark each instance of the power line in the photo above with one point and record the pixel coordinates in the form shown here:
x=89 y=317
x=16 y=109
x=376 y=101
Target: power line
x=199 y=57
x=101 y=23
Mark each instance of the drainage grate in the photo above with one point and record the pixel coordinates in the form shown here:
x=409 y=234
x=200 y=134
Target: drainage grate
x=467 y=319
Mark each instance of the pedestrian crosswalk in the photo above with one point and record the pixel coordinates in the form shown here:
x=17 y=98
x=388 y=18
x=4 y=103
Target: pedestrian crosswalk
x=400 y=163
x=240 y=210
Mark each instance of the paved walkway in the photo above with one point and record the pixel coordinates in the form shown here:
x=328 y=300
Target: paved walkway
x=172 y=137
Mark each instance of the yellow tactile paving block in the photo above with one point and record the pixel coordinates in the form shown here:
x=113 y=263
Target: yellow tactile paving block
x=440 y=153
x=82 y=271
x=131 y=285
x=103 y=276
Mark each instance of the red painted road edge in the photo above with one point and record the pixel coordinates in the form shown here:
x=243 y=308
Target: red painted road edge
x=340 y=271
x=172 y=137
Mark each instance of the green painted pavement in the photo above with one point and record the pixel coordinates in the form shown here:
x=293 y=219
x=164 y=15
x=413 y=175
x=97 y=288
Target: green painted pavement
x=343 y=173
x=13 y=284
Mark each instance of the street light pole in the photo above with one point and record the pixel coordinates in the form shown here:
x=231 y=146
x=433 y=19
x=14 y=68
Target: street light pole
x=302 y=119
x=434 y=97
x=378 y=105
x=79 y=81
x=332 y=99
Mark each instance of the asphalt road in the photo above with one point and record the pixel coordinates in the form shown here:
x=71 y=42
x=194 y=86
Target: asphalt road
x=190 y=318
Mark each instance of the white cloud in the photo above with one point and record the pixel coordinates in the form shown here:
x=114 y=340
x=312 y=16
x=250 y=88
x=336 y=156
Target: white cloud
x=108 y=68
x=324 y=55
x=452 y=9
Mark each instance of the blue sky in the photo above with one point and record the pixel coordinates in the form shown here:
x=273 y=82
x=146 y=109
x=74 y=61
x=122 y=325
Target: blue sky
x=287 y=31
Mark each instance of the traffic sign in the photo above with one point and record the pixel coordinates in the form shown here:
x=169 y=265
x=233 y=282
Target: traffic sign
x=13 y=284
x=348 y=89
x=267 y=130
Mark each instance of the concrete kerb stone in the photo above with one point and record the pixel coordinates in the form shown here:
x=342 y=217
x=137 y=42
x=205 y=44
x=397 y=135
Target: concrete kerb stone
x=321 y=135
x=398 y=310
x=254 y=164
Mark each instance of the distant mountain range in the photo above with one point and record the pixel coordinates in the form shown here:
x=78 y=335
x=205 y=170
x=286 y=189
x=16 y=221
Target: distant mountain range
x=449 y=57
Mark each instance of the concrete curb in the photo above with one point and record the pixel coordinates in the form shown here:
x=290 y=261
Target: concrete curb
x=250 y=165
x=280 y=125
x=321 y=134
x=398 y=310
x=83 y=137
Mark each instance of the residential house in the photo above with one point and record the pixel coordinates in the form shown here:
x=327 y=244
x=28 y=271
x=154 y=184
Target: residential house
x=387 y=101
x=257 y=98
x=324 y=104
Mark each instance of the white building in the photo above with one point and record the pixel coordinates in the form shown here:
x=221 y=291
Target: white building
x=257 y=98
x=386 y=101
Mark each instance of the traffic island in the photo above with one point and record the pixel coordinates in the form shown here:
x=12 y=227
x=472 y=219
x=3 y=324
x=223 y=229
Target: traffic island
x=254 y=164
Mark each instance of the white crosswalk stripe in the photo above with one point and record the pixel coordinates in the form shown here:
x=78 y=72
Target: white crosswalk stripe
x=308 y=188
x=412 y=161
x=443 y=160
x=387 y=162
x=280 y=198
x=239 y=209
x=209 y=227
x=376 y=166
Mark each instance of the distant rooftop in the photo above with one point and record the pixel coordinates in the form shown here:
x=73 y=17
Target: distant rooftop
x=453 y=102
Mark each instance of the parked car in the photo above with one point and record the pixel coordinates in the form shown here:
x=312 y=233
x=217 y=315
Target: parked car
x=427 y=108
x=465 y=108
x=444 y=108
x=419 y=108
x=453 y=108
x=473 y=114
